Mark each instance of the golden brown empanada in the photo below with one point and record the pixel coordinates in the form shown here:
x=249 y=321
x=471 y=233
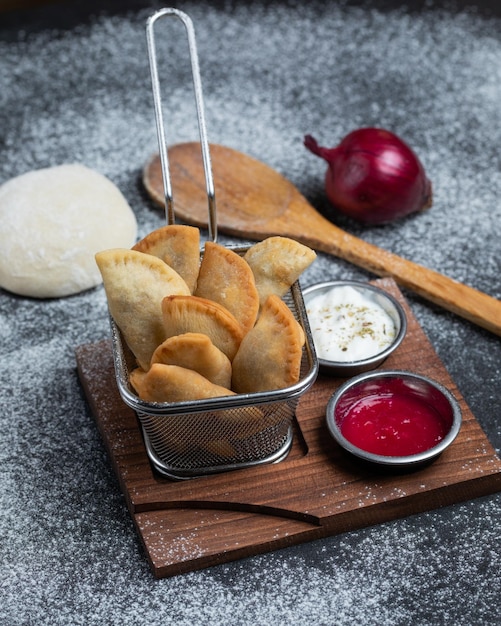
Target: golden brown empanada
x=195 y=351
x=170 y=383
x=269 y=356
x=178 y=246
x=243 y=421
x=135 y=284
x=219 y=448
x=226 y=278
x=277 y=262
x=191 y=314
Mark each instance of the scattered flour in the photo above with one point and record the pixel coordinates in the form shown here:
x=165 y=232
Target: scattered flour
x=272 y=72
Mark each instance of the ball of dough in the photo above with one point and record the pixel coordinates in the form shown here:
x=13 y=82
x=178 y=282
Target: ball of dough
x=53 y=221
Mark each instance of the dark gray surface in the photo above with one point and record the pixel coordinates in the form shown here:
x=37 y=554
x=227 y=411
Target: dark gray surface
x=75 y=87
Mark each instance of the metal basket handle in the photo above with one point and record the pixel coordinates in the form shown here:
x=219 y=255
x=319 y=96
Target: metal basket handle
x=162 y=144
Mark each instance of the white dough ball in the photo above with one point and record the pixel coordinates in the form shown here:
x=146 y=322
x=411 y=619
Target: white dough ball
x=53 y=221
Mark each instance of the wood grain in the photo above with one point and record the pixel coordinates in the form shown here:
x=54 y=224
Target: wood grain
x=315 y=492
x=254 y=201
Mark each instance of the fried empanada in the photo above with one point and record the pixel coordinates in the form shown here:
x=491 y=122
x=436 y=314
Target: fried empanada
x=269 y=356
x=178 y=246
x=135 y=284
x=243 y=421
x=220 y=448
x=277 y=262
x=226 y=278
x=195 y=351
x=192 y=314
x=170 y=383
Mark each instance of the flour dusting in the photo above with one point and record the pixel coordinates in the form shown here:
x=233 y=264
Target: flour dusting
x=272 y=72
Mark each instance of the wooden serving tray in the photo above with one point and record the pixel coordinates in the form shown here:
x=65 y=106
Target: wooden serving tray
x=315 y=492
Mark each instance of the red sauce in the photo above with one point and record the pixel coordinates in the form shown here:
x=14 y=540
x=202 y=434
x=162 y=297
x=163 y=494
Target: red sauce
x=392 y=423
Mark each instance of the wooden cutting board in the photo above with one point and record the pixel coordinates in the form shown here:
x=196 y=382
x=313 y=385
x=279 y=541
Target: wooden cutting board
x=315 y=492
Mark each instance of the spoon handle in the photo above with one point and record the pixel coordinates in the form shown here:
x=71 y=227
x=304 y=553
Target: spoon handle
x=255 y=201
x=473 y=305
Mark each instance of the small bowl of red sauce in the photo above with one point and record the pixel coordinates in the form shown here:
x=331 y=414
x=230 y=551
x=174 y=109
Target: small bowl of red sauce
x=393 y=419
x=355 y=325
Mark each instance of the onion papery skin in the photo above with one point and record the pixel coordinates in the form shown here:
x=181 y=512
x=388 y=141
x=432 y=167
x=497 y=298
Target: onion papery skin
x=374 y=176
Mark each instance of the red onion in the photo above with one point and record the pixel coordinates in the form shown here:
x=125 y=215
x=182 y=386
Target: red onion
x=374 y=176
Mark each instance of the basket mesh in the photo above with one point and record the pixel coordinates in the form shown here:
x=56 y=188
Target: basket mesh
x=237 y=435
x=205 y=438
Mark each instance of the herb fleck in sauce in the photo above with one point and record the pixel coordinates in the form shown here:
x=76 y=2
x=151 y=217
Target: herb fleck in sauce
x=348 y=324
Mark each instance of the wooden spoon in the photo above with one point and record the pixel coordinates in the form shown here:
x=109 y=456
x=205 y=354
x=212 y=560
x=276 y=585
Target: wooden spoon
x=254 y=202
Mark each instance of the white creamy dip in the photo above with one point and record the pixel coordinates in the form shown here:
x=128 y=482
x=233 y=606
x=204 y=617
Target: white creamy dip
x=349 y=325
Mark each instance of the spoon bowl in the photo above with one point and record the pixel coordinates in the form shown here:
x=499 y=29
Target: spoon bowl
x=254 y=202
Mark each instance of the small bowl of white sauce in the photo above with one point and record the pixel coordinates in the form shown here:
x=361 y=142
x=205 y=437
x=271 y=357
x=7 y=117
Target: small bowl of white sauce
x=355 y=325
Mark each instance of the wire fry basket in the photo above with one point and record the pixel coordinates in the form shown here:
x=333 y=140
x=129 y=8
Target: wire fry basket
x=189 y=439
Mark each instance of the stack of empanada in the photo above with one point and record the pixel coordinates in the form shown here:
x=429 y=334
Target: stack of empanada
x=206 y=328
